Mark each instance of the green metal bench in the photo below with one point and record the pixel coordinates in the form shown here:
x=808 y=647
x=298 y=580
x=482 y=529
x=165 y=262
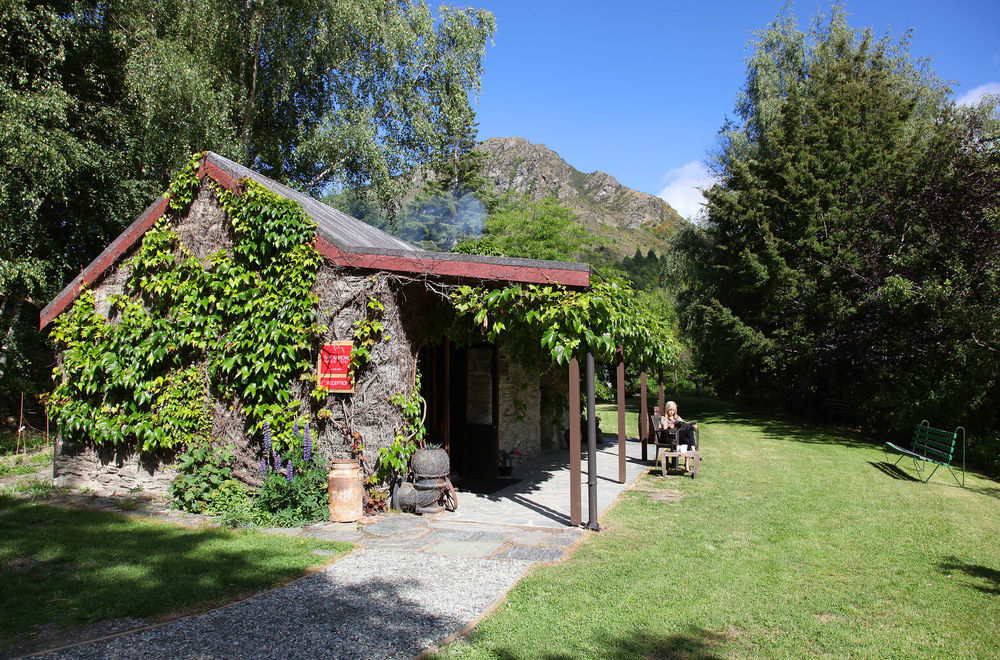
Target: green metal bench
x=931 y=445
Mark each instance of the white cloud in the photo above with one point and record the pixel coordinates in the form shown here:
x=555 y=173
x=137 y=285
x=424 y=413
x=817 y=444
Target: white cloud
x=682 y=188
x=974 y=95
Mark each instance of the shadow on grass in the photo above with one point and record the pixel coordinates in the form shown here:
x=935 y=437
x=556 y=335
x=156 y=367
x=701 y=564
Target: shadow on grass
x=988 y=579
x=693 y=644
x=77 y=566
x=325 y=615
x=989 y=491
x=711 y=411
x=893 y=471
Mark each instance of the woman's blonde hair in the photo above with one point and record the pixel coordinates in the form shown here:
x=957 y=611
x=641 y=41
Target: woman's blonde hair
x=670 y=405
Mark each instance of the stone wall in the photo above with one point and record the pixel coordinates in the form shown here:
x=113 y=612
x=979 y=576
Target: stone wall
x=554 y=406
x=343 y=298
x=520 y=420
x=526 y=415
x=110 y=472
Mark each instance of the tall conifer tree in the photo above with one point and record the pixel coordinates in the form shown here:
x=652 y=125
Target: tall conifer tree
x=823 y=266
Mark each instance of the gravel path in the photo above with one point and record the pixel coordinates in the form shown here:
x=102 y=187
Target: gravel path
x=372 y=603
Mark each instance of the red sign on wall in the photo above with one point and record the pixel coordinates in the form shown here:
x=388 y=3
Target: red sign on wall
x=334 y=364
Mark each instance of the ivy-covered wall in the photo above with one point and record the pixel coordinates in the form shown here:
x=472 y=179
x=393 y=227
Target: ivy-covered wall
x=80 y=463
x=373 y=307
x=209 y=321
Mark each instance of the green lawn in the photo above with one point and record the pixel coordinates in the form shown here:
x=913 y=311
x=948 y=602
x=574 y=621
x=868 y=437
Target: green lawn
x=794 y=541
x=76 y=566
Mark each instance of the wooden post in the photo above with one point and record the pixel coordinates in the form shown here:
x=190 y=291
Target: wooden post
x=621 y=415
x=643 y=412
x=575 y=515
x=447 y=396
x=660 y=400
x=592 y=523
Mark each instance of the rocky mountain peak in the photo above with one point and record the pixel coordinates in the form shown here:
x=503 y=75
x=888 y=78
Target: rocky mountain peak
x=626 y=218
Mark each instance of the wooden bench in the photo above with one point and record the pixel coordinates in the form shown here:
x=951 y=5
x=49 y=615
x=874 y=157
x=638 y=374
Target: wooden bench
x=931 y=445
x=665 y=446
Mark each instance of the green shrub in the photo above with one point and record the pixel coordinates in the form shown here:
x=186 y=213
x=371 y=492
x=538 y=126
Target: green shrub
x=604 y=393
x=984 y=453
x=203 y=469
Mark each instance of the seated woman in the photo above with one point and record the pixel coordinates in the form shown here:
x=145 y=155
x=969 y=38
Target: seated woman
x=685 y=432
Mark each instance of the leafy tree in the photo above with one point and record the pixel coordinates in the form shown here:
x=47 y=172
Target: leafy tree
x=532 y=229
x=100 y=99
x=67 y=189
x=455 y=198
x=438 y=219
x=851 y=244
x=317 y=93
x=645 y=271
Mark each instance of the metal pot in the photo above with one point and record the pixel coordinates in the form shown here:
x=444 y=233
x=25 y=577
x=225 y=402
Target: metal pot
x=430 y=464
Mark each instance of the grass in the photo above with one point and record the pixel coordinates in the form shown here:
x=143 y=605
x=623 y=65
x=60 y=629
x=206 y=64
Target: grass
x=795 y=541
x=14 y=464
x=78 y=566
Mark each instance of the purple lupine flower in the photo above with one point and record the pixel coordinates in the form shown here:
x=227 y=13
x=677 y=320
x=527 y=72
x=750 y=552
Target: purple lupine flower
x=267 y=438
x=295 y=429
x=277 y=462
x=307 y=449
x=263 y=466
x=288 y=475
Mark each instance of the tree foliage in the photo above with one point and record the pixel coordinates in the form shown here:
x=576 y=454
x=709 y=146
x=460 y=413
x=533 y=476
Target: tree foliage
x=532 y=229
x=644 y=270
x=852 y=244
x=312 y=92
x=101 y=99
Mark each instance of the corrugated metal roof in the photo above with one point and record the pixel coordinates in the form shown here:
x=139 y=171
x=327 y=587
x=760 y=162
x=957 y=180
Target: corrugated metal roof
x=335 y=226
x=353 y=235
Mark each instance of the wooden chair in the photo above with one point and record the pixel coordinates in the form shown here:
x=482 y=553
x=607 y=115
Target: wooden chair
x=665 y=445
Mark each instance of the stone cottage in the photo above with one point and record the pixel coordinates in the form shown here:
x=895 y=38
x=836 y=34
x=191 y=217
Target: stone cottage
x=478 y=402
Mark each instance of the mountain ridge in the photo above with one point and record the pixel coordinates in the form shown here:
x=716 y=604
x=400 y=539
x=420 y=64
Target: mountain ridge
x=624 y=218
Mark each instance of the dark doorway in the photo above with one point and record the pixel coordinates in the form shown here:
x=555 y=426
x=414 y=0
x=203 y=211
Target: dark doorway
x=461 y=388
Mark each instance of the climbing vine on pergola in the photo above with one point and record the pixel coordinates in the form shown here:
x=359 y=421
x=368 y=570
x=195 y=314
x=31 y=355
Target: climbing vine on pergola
x=557 y=323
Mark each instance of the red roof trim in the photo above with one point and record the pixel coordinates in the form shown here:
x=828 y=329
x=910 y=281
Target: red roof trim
x=428 y=265
x=105 y=260
x=220 y=176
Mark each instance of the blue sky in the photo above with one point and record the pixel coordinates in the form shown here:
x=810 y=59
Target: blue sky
x=640 y=89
